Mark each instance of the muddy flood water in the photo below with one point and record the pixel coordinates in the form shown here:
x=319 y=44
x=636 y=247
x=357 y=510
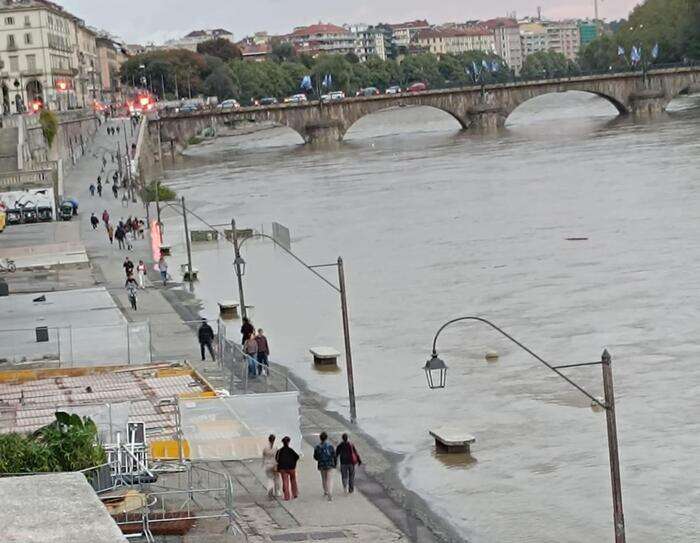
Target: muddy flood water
x=434 y=223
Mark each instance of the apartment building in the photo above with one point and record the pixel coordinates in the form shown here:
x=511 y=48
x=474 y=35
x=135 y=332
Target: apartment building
x=111 y=55
x=322 y=38
x=507 y=39
x=193 y=39
x=39 y=53
x=402 y=34
x=558 y=36
x=369 y=41
x=440 y=41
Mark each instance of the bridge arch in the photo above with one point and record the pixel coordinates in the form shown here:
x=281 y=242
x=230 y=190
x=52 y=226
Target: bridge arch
x=617 y=103
x=352 y=121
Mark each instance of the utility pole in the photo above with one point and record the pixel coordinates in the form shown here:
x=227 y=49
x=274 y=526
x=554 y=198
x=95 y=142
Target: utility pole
x=187 y=239
x=237 y=265
x=618 y=515
x=595 y=3
x=346 y=335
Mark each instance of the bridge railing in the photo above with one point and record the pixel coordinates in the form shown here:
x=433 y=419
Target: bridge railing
x=501 y=81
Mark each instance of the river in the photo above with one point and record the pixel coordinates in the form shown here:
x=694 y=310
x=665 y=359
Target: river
x=435 y=223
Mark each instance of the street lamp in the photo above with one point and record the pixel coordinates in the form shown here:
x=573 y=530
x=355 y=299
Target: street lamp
x=239 y=265
x=436 y=373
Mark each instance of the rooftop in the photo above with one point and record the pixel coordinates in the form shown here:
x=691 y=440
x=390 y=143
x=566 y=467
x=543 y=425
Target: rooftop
x=320 y=28
x=62 y=507
x=418 y=23
x=29 y=398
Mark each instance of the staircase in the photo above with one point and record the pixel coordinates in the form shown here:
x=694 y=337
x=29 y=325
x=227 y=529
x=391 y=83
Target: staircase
x=9 y=139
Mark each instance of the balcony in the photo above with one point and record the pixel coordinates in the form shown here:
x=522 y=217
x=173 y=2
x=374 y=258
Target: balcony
x=64 y=71
x=32 y=72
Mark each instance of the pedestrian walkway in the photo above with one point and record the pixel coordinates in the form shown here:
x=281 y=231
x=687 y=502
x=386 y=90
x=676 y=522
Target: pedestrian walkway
x=369 y=515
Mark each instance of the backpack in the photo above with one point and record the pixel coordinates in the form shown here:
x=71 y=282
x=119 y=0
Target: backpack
x=325 y=457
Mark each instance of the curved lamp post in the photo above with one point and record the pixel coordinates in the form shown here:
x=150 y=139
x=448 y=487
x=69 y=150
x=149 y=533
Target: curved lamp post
x=239 y=265
x=436 y=373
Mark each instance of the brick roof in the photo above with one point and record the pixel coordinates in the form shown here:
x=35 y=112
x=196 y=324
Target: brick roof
x=501 y=21
x=418 y=23
x=320 y=28
x=453 y=32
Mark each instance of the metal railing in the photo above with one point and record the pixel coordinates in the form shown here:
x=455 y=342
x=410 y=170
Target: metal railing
x=247 y=375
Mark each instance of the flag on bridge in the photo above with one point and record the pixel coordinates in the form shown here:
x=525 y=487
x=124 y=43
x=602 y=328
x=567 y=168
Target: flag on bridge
x=636 y=54
x=495 y=66
x=655 y=52
x=306 y=82
x=485 y=64
x=620 y=51
x=327 y=81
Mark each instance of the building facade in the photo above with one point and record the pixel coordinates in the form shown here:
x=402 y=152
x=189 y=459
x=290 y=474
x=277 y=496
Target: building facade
x=557 y=36
x=111 y=55
x=194 y=38
x=440 y=41
x=589 y=31
x=322 y=38
x=369 y=42
x=38 y=50
x=507 y=39
x=88 y=78
x=402 y=34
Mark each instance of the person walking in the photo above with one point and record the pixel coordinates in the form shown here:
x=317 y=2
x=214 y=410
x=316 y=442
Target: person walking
x=349 y=458
x=163 y=269
x=125 y=200
x=131 y=288
x=287 y=459
x=263 y=353
x=119 y=234
x=324 y=454
x=105 y=218
x=115 y=191
x=250 y=347
x=110 y=234
x=206 y=336
x=92 y=189
x=128 y=267
x=94 y=221
x=246 y=330
x=141 y=271
x=269 y=464
x=99 y=188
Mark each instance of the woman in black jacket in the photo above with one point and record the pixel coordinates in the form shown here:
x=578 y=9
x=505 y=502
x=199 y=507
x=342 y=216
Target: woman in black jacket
x=287 y=459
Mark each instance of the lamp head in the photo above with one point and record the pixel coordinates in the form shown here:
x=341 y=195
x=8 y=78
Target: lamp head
x=435 y=372
x=240 y=263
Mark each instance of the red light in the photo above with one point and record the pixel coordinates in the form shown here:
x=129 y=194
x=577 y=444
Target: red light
x=62 y=85
x=36 y=105
x=144 y=101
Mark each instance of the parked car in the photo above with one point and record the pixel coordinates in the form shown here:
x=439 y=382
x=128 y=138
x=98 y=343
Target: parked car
x=228 y=105
x=189 y=108
x=394 y=89
x=267 y=101
x=296 y=99
x=333 y=96
x=417 y=87
x=368 y=91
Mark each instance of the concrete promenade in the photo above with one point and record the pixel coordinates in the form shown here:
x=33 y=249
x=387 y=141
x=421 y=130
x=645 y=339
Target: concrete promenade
x=372 y=514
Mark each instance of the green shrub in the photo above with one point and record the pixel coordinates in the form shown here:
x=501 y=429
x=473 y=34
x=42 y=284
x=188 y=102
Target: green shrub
x=49 y=125
x=194 y=140
x=164 y=193
x=67 y=444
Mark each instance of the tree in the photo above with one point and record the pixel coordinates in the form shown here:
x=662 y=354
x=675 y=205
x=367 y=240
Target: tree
x=219 y=83
x=600 y=55
x=282 y=52
x=548 y=64
x=422 y=67
x=220 y=47
x=338 y=67
x=352 y=58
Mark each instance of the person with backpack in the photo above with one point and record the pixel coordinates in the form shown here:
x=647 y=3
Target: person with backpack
x=349 y=458
x=287 y=459
x=324 y=454
x=131 y=288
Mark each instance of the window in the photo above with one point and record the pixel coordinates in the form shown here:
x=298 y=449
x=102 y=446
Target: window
x=11 y=42
x=9 y=20
x=14 y=64
x=31 y=63
x=28 y=38
x=27 y=21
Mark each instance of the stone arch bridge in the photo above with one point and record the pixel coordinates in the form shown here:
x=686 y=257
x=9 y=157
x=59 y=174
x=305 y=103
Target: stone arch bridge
x=472 y=107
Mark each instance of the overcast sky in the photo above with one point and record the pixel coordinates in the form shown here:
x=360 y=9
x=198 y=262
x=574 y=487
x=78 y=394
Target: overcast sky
x=145 y=21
